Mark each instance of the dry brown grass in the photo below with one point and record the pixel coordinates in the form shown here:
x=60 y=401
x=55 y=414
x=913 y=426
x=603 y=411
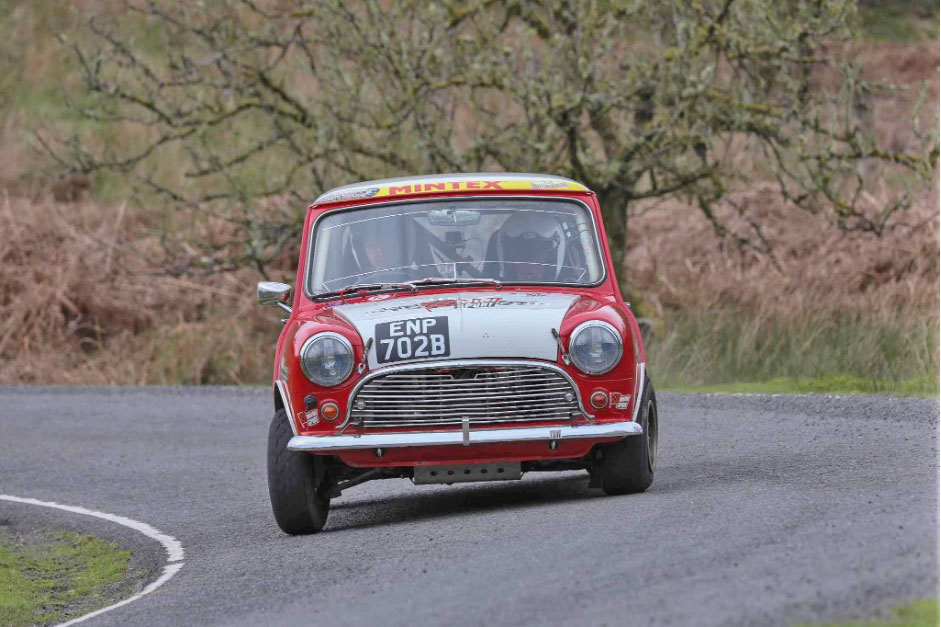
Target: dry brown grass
x=83 y=299
x=676 y=261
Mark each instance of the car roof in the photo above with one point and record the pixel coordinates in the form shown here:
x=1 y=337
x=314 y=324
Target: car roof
x=469 y=182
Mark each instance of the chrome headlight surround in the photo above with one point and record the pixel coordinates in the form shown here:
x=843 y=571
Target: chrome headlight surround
x=309 y=355
x=592 y=327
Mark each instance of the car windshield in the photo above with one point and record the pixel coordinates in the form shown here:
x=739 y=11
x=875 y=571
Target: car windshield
x=522 y=241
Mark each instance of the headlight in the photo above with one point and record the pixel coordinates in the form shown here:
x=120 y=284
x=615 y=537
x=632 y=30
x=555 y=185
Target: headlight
x=327 y=359
x=595 y=347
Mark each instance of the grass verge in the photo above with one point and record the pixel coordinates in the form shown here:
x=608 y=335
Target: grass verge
x=50 y=576
x=924 y=613
x=831 y=384
x=736 y=351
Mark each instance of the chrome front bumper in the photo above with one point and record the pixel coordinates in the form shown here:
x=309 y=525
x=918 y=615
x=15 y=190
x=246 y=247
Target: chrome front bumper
x=464 y=437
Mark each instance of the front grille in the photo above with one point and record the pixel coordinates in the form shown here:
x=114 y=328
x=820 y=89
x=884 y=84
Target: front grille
x=482 y=394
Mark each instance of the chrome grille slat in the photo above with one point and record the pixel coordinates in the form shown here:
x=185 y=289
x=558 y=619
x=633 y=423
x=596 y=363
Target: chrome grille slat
x=468 y=409
x=464 y=407
x=465 y=391
x=451 y=423
x=464 y=411
x=473 y=384
x=445 y=395
x=518 y=374
x=417 y=384
x=397 y=398
x=503 y=411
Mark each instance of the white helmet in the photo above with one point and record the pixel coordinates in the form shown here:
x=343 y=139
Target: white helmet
x=531 y=246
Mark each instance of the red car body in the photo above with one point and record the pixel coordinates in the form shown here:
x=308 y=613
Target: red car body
x=623 y=387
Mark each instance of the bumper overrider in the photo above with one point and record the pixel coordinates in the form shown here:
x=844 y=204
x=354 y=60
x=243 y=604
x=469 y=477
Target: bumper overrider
x=464 y=437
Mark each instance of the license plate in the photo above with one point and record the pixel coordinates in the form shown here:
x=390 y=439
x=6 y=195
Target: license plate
x=419 y=338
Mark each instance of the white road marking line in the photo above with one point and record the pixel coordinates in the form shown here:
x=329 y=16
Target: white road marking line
x=168 y=571
x=172 y=546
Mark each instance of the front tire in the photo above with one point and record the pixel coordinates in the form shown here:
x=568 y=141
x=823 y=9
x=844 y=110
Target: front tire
x=295 y=482
x=627 y=465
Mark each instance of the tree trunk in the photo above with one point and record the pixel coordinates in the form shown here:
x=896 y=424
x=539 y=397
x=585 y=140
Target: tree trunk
x=614 y=213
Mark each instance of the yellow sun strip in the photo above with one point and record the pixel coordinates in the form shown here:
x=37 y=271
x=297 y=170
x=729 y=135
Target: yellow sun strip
x=437 y=187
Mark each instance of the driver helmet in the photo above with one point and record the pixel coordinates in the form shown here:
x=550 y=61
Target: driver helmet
x=530 y=247
x=382 y=243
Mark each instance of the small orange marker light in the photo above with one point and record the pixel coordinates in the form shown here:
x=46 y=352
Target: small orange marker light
x=329 y=411
x=599 y=399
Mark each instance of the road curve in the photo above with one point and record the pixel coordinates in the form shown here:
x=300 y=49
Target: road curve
x=765 y=510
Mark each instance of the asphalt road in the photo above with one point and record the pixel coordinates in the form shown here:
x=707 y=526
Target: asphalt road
x=764 y=510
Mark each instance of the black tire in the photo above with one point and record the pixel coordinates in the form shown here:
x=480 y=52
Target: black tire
x=295 y=482
x=627 y=465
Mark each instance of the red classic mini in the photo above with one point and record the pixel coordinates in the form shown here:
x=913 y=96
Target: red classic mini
x=454 y=328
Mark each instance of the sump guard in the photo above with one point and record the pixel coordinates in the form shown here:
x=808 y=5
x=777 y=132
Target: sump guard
x=498 y=471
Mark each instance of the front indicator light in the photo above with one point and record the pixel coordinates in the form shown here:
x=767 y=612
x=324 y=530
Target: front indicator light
x=598 y=399
x=329 y=411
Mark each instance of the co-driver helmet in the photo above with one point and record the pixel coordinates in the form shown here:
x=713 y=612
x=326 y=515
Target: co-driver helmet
x=531 y=247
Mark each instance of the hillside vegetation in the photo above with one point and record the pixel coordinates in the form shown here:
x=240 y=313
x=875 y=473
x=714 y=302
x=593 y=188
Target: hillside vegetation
x=93 y=290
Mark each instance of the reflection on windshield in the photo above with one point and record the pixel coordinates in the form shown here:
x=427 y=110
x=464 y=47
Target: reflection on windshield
x=522 y=241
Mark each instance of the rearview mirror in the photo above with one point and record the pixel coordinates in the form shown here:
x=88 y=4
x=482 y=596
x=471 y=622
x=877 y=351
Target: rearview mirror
x=271 y=294
x=453 y=217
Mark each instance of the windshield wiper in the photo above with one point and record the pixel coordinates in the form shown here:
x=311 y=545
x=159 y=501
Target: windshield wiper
x=364 y=287
x=430 y=281
x=410 y=285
